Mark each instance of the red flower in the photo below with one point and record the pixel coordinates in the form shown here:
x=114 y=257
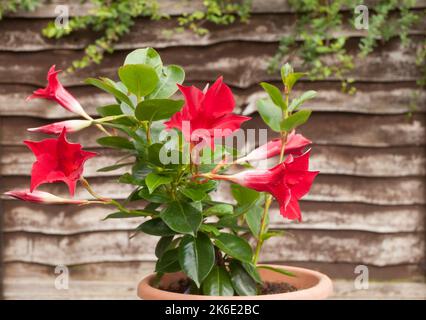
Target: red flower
x=57 y=127
x=57 y=160
x=56 y=92
x=294 y=145
x=41 y=197
x=287 y=182
x=207 y=115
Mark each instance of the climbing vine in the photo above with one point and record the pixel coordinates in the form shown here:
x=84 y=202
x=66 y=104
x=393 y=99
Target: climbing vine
x=319 y=38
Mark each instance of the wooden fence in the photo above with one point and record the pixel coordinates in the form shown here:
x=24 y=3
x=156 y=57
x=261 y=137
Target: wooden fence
x=366 y=207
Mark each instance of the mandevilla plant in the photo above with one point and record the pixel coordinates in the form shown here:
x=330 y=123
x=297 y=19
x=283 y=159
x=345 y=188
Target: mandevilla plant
x=175 y=163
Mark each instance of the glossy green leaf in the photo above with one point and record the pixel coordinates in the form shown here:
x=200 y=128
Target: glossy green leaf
x=113 y=167
x=219 y=210
x=297 y=102
x=168 y=262
x=285 y=71
x=242 y=282
x=252 y=271
x=295 y=120
x=166 y=87
x=157 y=109
x=275 y=94
x=107 y=87
x=131 y=214
x=153 y=181
x=109 y=110
x=196 y=257
x=148 y=56
x=182 y=217
x=116 y=142
x=140 y=79
x=156 y=227
x=156 y=196
x=234 y=246
x=163 y=245
x=270 y=113
x=243 y=195
x=218 y=283
x=279 y=270
x=194 y=194
x=254 y=219
x=292 y=78
x=209 y=228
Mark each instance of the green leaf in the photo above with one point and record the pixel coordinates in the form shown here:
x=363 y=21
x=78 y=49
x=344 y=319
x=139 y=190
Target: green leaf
x=157 y=109
x=252 y=271
x=182 y=217
x=194 y=194
x=156 y=227
x=146 y=56
x=124 y=215
x=243 y=195
x=242 y=282
x=196 y=257
x=234 y=246
x=297 y=102
x=295 y=120
x=116 y=142
x=166 y=87
x=208 y=228
x=285 y=71
x=109 y=110
x=292 y=78
x=218 y=283
x=219 y=210
x=168 y=262
x=153 y=181
x=271 y=234
x=270 y=113
x=162 y=245
x=113 y=167
x=279 y=270
x=105 y=86
x=275 y=94
x=156 y=196
x=254 y=219
x=140 y=79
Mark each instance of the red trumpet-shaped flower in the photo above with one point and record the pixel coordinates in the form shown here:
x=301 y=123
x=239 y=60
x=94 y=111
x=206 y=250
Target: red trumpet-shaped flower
x=56 y=92
x=287 y=182
x=57 y=160
x=207 y=114
x=294 y=145
x=57 y=127
x=41 y=197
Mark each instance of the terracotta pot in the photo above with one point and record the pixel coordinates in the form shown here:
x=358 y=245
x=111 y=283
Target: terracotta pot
x=312 y=285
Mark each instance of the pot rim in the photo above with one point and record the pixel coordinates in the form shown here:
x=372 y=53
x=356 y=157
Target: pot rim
x=321 y=290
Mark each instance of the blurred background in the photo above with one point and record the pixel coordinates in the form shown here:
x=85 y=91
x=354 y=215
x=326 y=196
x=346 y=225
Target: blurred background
x=366 y=208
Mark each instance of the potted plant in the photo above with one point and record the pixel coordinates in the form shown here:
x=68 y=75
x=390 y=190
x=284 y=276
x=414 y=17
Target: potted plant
x=207 y=249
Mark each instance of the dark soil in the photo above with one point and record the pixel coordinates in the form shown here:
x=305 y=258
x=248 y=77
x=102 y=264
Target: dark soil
x=182 y=286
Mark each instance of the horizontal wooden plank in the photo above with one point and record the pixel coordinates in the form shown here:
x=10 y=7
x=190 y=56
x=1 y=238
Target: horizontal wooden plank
x=383 y=99
x=386 y=191
x=391 y=62
x=300 y=245
x=369 y=162
x=25 y=35
x=68 y=219
x=172 y=7
x=132 y=271
x=33 y=288
x=346 y=130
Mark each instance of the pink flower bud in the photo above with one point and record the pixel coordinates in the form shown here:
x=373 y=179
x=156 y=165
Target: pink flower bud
x=41 y=197
x=57 y=127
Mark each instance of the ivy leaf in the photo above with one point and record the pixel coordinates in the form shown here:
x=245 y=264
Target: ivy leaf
x=297 y=102
x=168 y=262
x=234 y=246
x=116 y=142
x=242 y=282
x=275 y=94
x=140 y=79
x=166 y=87
x=148 y=56
x=182 y=217
x=295 y=120
x=218 y=283
x=105 y=86
x=153 y=181
x=155 y=227
x=196 y=257
x=157 y=109
x=270 y=113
